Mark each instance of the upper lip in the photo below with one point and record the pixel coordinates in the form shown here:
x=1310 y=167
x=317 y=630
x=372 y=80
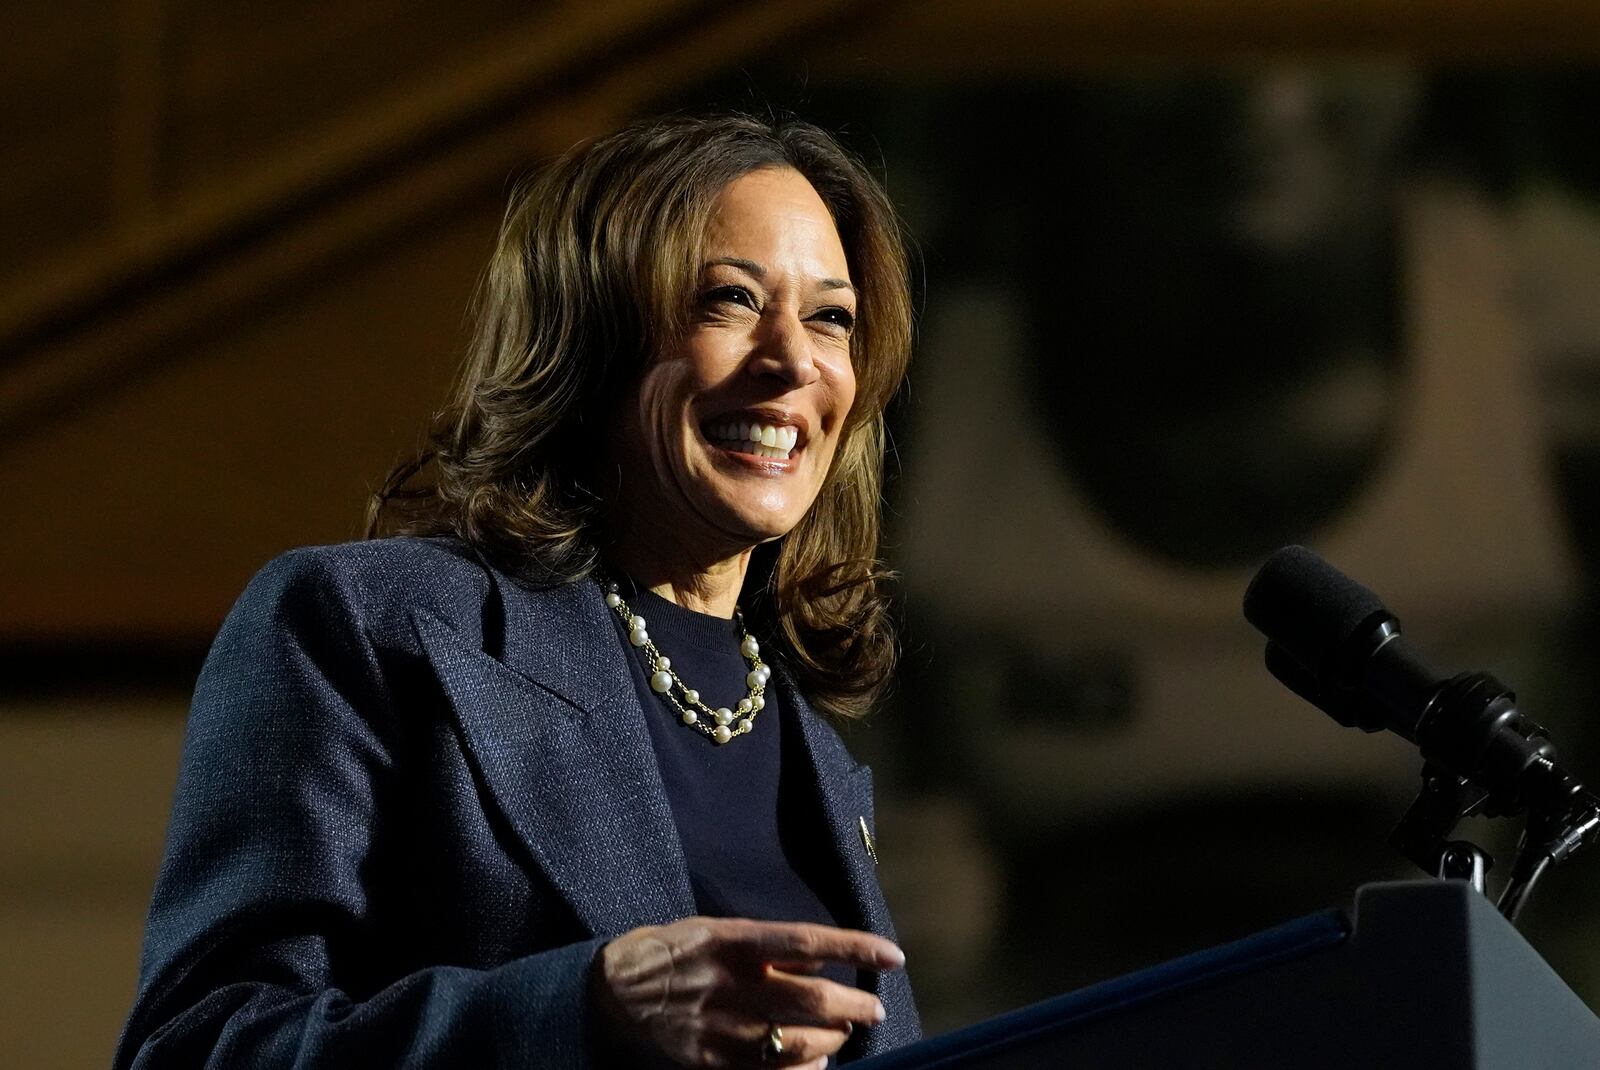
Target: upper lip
x=767 y=415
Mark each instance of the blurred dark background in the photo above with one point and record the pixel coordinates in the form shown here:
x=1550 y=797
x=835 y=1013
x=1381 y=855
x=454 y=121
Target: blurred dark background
x=1195 y=280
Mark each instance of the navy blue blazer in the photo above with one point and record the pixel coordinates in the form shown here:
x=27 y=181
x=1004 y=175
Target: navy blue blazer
x=415 y=799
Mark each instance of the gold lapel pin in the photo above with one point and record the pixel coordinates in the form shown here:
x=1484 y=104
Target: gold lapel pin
x=866 y=839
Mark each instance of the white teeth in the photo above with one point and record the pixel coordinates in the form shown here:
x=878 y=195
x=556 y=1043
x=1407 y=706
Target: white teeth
x=762 y=440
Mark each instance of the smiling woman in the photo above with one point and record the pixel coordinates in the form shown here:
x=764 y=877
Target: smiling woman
x=629 y=276
x=446 y=799
x=730 y=433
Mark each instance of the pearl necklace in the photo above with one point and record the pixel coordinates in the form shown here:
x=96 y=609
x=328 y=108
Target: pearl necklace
x=720 y=724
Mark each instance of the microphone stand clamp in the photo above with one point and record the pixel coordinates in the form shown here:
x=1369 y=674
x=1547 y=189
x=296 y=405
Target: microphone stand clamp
x=1423 y=833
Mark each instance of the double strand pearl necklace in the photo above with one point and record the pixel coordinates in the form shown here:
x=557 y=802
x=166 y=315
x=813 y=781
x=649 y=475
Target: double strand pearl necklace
x=720 y=724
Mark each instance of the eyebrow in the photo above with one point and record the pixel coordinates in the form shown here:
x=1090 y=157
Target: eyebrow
x=759 y=271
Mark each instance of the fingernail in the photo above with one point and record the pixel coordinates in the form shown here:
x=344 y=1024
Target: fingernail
x=895 y=957
x=879 y=1014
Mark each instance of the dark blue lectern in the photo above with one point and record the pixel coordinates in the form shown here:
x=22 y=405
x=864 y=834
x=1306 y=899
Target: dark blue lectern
x=1425 y=974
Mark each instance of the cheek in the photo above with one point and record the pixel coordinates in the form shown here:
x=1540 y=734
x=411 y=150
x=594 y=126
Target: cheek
x=843 y=388
x=659 y=401
x=847 y=392
x=710 y=355
x=844 y=396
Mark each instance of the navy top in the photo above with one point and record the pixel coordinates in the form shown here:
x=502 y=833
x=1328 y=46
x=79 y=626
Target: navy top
x=744 y=816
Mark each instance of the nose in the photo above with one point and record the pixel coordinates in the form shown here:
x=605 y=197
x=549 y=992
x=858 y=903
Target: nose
x=784 y=351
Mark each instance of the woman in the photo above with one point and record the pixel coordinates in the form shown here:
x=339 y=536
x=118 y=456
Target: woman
x=525 y=785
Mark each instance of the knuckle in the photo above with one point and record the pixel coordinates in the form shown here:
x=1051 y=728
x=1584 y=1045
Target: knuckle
x=831 y=1045
x=696 y=935
x=806 y=943
x=813 y=1001
x=816 y=1044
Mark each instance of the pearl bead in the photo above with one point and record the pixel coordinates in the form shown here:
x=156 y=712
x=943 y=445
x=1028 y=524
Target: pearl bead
x=721 y=724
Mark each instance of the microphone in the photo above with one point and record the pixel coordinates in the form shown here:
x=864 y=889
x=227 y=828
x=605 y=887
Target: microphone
x=1332 y=642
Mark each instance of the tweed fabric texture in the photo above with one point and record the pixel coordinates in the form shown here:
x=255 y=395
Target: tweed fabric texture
x=415 y=799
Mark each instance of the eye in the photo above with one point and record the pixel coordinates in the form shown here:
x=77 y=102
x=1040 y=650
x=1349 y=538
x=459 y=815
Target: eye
x=729 y=295
x=838 y=316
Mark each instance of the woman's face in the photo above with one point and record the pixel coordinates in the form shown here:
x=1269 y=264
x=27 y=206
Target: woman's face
x=728 y=436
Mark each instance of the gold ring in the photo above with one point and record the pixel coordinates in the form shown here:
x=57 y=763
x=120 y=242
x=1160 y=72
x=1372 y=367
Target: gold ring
x=772 y=1047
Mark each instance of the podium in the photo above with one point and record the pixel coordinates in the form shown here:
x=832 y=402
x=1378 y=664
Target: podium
x=1422 y=974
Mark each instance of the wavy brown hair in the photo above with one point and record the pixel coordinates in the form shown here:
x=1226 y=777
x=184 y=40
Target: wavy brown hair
x=595 y=270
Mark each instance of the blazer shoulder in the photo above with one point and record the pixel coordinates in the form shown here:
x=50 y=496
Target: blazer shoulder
x=821 y=732
x=378 y=584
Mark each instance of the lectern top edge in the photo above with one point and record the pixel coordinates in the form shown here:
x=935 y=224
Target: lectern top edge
x=1066 y=1013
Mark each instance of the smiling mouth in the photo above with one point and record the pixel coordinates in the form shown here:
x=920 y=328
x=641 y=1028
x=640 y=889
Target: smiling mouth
x=773 y=442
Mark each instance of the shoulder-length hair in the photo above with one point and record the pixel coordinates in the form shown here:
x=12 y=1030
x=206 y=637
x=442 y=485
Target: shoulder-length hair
x=594 y=271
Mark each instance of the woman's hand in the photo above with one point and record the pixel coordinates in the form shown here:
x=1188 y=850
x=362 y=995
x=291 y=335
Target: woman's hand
x=707 y=991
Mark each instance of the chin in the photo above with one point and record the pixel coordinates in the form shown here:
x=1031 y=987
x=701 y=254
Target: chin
x=755 y=524
x=766 y=529
x=754 y=507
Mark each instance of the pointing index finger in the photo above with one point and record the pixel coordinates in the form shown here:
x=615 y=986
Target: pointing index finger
x=797 y=941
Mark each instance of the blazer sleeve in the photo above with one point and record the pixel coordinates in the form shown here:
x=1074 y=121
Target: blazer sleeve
x=256 y=924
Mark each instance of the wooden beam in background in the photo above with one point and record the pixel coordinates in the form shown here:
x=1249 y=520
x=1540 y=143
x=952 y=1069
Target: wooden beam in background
x=90 y=327
x=71 y=326
x=182 y=607
x=429 y=111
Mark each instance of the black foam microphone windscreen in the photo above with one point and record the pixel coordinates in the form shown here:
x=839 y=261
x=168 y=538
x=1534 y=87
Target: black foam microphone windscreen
x=1307 y=607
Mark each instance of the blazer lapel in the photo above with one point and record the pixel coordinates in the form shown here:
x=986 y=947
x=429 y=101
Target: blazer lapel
x=557 y=733
x=845 y=790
